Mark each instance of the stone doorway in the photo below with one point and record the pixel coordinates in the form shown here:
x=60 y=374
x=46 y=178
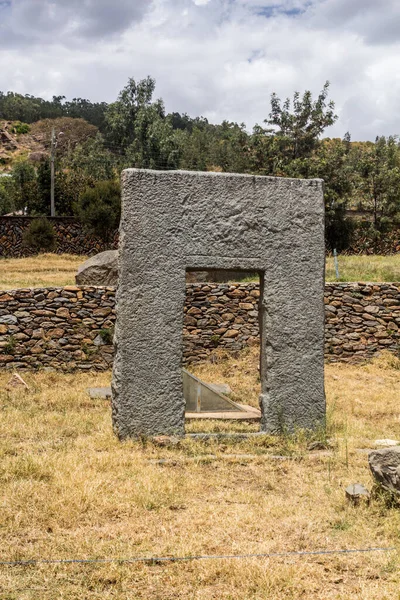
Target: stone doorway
x=177 y=221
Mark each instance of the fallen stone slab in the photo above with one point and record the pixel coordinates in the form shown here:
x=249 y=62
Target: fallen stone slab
x=385 y=467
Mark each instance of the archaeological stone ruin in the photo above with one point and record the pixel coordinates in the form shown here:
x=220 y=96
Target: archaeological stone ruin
x=177 y=221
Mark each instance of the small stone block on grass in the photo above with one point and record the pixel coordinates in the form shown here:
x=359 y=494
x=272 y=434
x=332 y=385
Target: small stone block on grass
x=356 y=493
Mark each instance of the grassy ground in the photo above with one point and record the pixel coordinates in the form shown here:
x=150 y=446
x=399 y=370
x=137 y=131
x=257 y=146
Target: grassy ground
x=53 y=270
x=69 y=489
x=365 y=268
x=45 y=270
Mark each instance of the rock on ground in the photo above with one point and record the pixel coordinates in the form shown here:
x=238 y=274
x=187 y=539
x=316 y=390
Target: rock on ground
x=101 y=269
x=385 y=467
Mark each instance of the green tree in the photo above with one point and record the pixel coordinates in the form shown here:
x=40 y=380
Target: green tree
x=94 y=160
x=299 y=125
x=7 y=203
x=377 y=169
x=69 y=133
x=99 y=208
x=24 y=191
x=155 y=144
x=121 y=115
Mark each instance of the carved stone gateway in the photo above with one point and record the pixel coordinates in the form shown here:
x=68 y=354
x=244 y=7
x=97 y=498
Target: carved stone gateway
x=177 y=220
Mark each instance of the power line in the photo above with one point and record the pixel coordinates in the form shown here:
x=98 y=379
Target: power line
x=166 y=559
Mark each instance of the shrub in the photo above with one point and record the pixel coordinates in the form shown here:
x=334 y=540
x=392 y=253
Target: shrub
x=107 y=335
x=40 y=236
x=20 y=128
x=99 y=208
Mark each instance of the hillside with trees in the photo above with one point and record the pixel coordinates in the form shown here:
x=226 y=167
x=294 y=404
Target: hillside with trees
x=93 y=142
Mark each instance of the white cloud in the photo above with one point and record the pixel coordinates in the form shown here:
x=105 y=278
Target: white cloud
x=217 y=58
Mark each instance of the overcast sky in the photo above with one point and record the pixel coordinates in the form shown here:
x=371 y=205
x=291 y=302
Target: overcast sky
x=217 y=58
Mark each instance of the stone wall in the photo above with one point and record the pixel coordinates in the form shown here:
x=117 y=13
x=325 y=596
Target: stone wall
x=71 y=328
x=65 y=328
x=71 y=238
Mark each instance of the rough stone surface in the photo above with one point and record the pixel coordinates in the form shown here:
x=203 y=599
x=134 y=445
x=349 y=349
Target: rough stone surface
x=37 y=330
x=385 y=467
x=174 y=221
x=101 y=269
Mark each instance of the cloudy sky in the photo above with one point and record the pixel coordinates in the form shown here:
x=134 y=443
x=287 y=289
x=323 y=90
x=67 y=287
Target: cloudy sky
x=216 y=58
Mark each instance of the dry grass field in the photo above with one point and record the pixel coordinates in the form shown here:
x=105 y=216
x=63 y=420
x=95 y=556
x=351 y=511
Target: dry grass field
x=44 y=270
x=57 y=270
x=70 y=489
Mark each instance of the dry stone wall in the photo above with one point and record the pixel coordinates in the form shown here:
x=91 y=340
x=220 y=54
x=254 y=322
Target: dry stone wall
x=66 y=328
x=71 y=238
x=71 y=328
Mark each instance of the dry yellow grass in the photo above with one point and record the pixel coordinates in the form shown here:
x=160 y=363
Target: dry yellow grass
x=70 y=489
x=44 y=270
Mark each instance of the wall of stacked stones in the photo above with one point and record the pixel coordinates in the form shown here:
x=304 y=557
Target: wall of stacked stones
x=71 y=328
x=71 y=237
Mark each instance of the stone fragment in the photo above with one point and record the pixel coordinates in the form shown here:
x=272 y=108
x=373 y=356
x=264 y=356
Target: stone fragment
x=101 y=269
x=231 y=333
x=6 y=358
x=385 y=467
x=194 y=311
x=8 y=320
x=36 y=350
x=56 y=333
x=356 y=493
x=372 y=309
x=246 y=305
x=38 y=334
x=62 y=312
x=100 y=392
x=165 y=440
x=3 y=329
x=102 y=312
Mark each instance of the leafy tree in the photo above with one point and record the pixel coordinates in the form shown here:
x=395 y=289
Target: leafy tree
x=377 y=168
x=94 y=160
x=24 y=191
x=99 y=208
x=121 y=115
x=299 y=128
x=155 y=143
x=92 y=112
x=68 y=131
x=330 y=161
x=7 y=204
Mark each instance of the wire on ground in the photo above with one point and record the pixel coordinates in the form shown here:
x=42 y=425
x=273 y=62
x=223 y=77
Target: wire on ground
x=165 y=559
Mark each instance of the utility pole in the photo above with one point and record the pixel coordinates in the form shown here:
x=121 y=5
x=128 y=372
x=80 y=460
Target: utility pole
x=52 y=157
